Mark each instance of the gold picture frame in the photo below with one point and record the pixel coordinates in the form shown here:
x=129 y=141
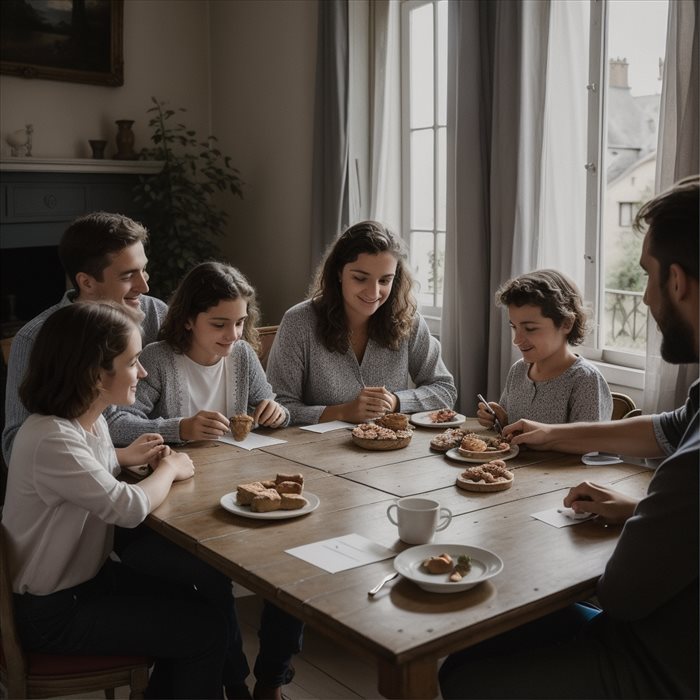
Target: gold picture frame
x=78 y=41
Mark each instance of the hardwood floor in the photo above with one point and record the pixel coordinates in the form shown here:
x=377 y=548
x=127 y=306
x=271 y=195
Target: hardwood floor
x=324 y=670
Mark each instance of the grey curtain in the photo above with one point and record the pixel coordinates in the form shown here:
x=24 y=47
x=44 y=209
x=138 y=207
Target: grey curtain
x=678 y=155
x=496 y=96
x=329 y=214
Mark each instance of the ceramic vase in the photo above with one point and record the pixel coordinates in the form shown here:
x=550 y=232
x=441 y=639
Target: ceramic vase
x=125 y=140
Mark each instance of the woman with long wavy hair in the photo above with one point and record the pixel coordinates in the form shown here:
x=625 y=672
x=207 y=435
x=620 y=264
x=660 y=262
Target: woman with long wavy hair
x=357 y=348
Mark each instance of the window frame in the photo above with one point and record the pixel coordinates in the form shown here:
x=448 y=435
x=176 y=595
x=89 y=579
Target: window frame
x=431 y=312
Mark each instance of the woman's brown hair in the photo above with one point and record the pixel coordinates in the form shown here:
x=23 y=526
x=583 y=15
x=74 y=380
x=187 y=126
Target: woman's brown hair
x=204 y=286
x=75 y=343
x=393 y=320
x=555 y=294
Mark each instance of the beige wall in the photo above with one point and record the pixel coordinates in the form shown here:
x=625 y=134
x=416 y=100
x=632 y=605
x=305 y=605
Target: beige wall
x=165 y=55
x=263 y=73
x=244 y=70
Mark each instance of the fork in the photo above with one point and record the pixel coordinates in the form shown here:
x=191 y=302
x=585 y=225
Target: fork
x=496 y=423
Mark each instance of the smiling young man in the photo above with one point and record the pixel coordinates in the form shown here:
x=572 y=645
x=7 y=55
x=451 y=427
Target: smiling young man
x=644 y=642
x=103 y=255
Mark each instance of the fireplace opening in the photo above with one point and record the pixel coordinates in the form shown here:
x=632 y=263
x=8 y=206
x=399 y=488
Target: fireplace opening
x=31 y=280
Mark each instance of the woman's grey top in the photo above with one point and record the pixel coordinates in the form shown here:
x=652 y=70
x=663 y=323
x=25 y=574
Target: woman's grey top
x=162 y=399
x=578 y=394
x=307 y=376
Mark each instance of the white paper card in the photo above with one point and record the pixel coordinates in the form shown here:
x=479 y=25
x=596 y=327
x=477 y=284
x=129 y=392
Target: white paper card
x=252 y=441
x=327 y=427
x=554 y=517
x=341 y=553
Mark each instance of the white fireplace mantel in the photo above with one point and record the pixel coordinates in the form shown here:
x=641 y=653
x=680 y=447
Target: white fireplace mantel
x=79 y=165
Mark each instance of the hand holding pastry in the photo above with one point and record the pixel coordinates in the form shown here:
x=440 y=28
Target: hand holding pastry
x=204 y=425
x=269 y=413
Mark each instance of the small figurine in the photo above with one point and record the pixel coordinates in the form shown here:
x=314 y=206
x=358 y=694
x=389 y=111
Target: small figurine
x=21 y=139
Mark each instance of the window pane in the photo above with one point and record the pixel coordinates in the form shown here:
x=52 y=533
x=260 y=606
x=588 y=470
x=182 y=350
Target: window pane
x=422 y=265
x=421 y=61
x=441 y=51
x=441 y=178
x=422 y=167
x=439 y=267
x=636 y=46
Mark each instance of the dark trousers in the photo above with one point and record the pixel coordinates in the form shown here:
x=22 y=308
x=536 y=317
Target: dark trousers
x=280 y=634
x=538 y=660
x=122 y=611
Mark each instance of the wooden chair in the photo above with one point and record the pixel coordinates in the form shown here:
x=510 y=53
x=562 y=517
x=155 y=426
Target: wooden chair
x=35 y=675
x=267 y=336
x=624 y=406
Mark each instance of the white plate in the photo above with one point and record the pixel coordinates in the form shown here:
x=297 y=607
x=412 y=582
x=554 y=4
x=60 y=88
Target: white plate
x=488 y=456
x=229 y=502
x=485 y=564
x=423 y=419
x=600 y=458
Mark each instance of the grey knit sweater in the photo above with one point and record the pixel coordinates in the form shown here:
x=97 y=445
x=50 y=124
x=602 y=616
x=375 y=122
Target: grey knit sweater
x=15 y=413
x=578 y=394
x=162 y=397
x=308 y=377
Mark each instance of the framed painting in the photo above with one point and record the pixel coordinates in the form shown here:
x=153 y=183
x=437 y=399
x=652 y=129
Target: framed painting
x=79 y=41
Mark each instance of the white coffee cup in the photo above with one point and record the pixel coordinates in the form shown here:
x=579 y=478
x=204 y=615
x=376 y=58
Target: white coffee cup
x=417 y=518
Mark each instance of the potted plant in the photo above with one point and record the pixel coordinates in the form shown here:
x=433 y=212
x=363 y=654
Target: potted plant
x=177 y=202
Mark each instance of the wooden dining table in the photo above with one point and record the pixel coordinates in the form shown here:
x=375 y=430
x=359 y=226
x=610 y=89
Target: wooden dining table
x=404 y=628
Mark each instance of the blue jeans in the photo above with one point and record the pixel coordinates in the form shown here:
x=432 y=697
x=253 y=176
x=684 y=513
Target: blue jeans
x=280 y=634
x=121 y=611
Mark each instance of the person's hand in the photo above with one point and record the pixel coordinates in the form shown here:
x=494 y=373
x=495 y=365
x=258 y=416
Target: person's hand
x=526 y=432
x=204 y=425
x=486 y=419
x=371 y=402
x=143 y=450
x=153 y=463
x=180 y=463
x=613 y=506
x=269 y=414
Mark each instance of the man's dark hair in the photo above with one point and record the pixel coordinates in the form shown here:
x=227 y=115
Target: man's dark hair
x=90 y=242
x=674 y=226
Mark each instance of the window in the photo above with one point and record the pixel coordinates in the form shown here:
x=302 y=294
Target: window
x=627 y=49
x=423 y=126
x=627 y=213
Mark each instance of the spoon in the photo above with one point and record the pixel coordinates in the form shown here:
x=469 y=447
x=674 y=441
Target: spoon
x=379 y=586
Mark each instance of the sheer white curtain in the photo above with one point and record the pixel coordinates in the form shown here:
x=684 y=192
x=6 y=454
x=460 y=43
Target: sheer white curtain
x=666 y=386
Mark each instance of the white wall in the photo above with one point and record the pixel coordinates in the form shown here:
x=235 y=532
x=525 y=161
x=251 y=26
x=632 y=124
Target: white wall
x=263 y=81
x=165 y=55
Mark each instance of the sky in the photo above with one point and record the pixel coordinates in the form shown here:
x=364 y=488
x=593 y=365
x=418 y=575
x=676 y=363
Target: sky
x=637 y=32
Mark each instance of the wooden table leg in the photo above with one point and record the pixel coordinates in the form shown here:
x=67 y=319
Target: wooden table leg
x=416 y=679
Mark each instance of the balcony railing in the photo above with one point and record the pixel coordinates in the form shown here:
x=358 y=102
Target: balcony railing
x=625 y=319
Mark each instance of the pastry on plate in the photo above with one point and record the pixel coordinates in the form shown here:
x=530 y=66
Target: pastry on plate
x=452 y=437
x=265 y=501
x=245 y=493
x=444 y=415
x=240 y=424
x=292 y=501
x=375 y=437
x=394 y=421
x=492 y=476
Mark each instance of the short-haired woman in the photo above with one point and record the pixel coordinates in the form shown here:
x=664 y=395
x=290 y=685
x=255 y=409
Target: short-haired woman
x=63 y=500
x=354 y=349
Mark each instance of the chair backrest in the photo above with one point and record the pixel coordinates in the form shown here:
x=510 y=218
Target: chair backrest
x=267 y=336
x=623 y=406
x=37 y=675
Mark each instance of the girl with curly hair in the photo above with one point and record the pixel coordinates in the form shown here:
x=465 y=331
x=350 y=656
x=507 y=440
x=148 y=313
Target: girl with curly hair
x=550 y=384
x=357 y=348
